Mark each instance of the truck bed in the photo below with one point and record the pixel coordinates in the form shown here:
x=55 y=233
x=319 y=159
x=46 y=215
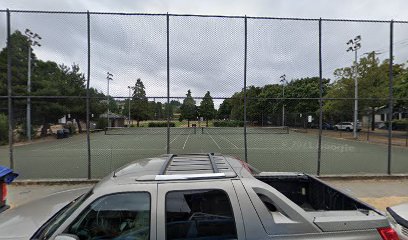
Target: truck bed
x=330 y=209
x=311 y=194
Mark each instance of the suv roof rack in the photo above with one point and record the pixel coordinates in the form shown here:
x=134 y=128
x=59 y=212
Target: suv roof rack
x=192 y=166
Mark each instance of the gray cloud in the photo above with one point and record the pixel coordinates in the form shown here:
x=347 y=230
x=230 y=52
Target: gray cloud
x=206 y=53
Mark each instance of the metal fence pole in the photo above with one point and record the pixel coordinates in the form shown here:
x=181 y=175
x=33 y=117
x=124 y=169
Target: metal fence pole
x=88 y=125
x=168 y=84
x=319 y=148
x=390 y=101
x=10 y=103
x=245 y=90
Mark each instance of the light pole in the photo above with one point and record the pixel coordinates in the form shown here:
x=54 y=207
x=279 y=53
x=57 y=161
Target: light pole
x=109 y=77
x=32 y=41
x=354 y=45
x=129 y=87
x=283 y=81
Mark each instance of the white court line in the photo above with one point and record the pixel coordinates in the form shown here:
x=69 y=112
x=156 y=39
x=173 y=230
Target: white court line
x=186 y=141
x=214 y=141
x=165 y=147
x=229 y=142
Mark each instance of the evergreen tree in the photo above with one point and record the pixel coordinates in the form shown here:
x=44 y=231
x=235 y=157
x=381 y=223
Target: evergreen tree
x=139 y=105
x=188 y=108
x=224 y=111
x=207 y=110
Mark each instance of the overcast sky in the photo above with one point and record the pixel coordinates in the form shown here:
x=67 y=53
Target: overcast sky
x=207 y=53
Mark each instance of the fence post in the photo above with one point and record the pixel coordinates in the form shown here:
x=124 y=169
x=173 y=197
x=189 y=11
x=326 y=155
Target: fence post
x=319 y=148
x=10 y=101
x=168 y=85
x=390 y=98
x=245 y=88
x=88 y=139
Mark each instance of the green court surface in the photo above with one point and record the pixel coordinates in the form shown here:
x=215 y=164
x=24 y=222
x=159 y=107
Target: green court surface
x=293 y=151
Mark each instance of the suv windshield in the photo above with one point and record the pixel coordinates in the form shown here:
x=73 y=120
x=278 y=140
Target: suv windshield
x=53 y=223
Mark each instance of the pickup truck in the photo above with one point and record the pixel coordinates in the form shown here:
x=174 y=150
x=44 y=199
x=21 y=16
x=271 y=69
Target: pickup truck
x=398 y=216
x=198 y=196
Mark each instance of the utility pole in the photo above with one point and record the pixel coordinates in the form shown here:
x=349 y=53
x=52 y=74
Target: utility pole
x=354 y=45
x=109 y=77
x=129 y=87
x=31 y=43
x=283 y=81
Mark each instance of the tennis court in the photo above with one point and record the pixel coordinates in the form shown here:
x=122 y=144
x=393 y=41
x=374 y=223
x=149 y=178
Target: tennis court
x=269 y=149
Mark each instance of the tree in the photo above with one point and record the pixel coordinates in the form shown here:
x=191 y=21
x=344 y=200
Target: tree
x=168 y=110
x=188 y=108
x=175 y=106
x=48 y=79
x=401 y=91
x=237 y=106
x=139 y=104
x=207 y=110
x=254 y=109
x=19 y=57
x=373 y=79
x=224 y=111
x=159 y=110
x=3 y=129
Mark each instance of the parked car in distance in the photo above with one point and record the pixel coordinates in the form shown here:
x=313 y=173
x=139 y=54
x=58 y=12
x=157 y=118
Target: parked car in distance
x=380 y=125
x=346 y=126
x=399 y=219
x=198 y=196
x=325 y=125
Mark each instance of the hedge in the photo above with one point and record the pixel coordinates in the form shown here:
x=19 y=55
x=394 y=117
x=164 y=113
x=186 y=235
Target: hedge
x=160 y=124
x=231 y=123
x=401 y=125
x=3 y=129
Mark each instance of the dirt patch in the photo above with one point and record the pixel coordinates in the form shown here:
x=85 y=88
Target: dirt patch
x=383 y=202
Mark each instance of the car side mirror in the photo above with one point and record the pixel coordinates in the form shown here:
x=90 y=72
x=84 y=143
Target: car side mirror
x=66 y=237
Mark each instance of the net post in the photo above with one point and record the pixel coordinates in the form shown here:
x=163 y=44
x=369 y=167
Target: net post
x=9 y=98
x=88 y=125
x=168 y=83
x=319 y=148
x=245 y=88
x=390 y=99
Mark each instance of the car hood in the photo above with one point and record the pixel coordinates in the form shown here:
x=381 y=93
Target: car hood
x=23 y=221
x=400 y=214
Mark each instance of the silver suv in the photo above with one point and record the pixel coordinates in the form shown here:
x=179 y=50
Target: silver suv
x=197 y=196
x=347 y=126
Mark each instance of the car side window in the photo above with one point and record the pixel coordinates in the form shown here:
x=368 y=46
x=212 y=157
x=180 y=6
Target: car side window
x=116 y=216
x=199 y=214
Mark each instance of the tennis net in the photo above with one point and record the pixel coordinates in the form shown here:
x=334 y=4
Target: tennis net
x=149 y=130
x=240 y=130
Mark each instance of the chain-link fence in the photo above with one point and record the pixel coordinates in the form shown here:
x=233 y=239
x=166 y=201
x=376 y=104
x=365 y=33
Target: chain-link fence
x=83 y=93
